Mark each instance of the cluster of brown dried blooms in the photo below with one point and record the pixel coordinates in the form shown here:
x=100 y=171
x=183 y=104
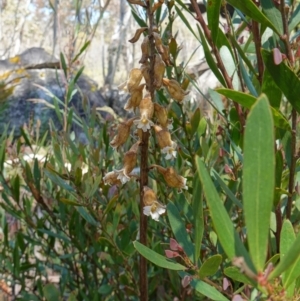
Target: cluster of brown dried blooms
x=149 y=115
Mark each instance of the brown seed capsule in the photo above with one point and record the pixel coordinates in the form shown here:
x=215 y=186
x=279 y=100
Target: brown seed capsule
x=161 y=115
x=159 y=71
x=149 y=196
x=129 y=162
x=163 y=137
x=158 y=42
x=135 y=147
x=147 y=107
x=174 y=89
x=145 y=50
x=165 y=55
x=145 y=71
x=135 y=99
x=122 y=133
x=171 y=177
x=134 y=79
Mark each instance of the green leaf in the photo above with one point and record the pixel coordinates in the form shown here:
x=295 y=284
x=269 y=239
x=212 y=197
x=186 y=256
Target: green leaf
x=198 y=216
x=230 y=65
x=273 y=14
x=156 y=258
x=69 y=202
x=223 y=225
x=235 y=274
x=84 y=213
x=58 y=181
x=195 y=120
x=110 y=204
x=227 y=191
x=247 y=79
x=64 y=64
x=295 y=19
x=242 y=53
x=278 y=176
x=82 y=49
x=271 y=90
x=51 y=293
x=179 y=230
x=210 y=60
x=247 y=101
x=258 y=179
x=285 y=78
x=205 y=289
x=213 y=12
x=210 y=266
x=291 y=256
x=251 y=10
x=287 y=237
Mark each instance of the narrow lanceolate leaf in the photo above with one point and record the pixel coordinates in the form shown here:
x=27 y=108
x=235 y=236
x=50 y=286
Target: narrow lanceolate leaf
x=210 y=60
x=291 y=256
x=285 y=78
x=179 y=230
x=249 y=8
x=287 y=238
x=271 y=90
x=157 y=259
x=258 y=178
x=198 y=217
x=273 y=14
x=295 y=19
x=213 y=12
x=205 y=289
x=223 y=225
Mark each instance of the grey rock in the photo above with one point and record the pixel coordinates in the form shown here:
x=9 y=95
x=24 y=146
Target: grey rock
x=29 y=84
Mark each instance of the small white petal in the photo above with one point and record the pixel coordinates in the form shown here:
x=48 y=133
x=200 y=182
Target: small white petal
x=147 y=210
x=155 y=215
x=144 y=123
x=161 y=210
x=122 y=176
x=170 y=151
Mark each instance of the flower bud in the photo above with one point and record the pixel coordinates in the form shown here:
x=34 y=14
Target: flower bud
x=159 y=71
x=175 y=246
x=122 y=133
x=135 y=99
x=171 y=254
x=145 y=50
x=175 y=89
x=171 y=177
x=111 y=178
x=134 y=79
